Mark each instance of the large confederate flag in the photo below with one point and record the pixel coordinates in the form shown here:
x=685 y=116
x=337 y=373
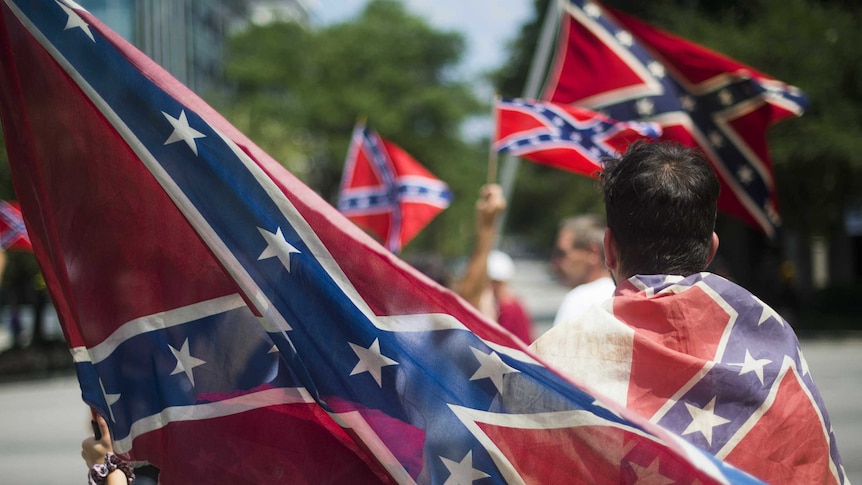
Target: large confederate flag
x=630 y=71
x=234 y=328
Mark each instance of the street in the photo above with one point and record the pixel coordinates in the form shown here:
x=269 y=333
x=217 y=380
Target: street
x=41 y=429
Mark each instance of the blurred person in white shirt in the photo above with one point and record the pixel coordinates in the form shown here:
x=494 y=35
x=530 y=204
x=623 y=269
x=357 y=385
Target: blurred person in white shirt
x=578 y=262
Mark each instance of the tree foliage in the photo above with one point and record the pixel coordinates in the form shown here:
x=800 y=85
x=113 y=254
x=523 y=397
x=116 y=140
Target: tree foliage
x=299 y=92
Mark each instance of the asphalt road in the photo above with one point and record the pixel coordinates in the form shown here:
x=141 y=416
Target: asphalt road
x=836 y=366
x=41 y=427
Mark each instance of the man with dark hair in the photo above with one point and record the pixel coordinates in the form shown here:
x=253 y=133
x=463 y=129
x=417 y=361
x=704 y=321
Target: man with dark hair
x=661 y=207
x=686 y=349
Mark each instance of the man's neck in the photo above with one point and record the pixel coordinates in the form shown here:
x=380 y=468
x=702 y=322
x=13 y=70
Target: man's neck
x=598 y=273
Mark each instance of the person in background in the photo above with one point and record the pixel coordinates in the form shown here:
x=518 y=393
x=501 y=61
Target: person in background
x=433 y=266
x=578 y=262
x=511 y=313
x=497 y=301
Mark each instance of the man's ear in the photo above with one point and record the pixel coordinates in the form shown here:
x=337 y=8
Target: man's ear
x=612 y=256
x=713 y=248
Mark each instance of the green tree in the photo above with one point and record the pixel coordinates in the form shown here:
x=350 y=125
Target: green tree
x=298 y=94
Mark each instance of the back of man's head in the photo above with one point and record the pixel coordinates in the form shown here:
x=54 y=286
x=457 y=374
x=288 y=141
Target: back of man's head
x=660 y=200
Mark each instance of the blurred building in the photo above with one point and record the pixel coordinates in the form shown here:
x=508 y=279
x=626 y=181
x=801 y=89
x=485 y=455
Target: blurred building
x=263 y=12
x=187 y=37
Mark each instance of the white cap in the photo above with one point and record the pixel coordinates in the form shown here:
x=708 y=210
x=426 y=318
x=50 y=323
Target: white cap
x=500 y=266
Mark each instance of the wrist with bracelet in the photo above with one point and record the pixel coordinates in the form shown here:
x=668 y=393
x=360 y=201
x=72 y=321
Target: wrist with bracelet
x=98 y=474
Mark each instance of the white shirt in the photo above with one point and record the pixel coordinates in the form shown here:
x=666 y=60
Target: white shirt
x=582 y=297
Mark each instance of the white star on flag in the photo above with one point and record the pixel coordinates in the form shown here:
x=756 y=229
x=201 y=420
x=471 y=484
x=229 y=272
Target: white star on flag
x=592 y=10
x=276 y=247
x=767 y=312
x=687 y=102
x=716 y=139
x=75 y=21
x=753 y=365
x=745 y=174
x=491 y=366
x=656 y=69
x=726 y=97
x=182 y=131
x=703 y=420
x=462 y=473
x=185 y=361
x=649 y=475
x=804 y=362
x=370 y=360
x=110 y=399
x=625 y=38
x=644 y=106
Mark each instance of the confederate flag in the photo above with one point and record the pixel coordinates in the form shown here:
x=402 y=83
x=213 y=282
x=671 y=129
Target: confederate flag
x=234 y=328
x=386 y=191
x=562 y=136
x=13 y=233
x=610 y=62
x=706 y=359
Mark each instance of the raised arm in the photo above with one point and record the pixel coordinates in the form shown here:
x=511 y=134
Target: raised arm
x=474 y=283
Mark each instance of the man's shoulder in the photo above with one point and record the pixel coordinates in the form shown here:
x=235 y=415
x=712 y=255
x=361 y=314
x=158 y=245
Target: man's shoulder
x=727 y=294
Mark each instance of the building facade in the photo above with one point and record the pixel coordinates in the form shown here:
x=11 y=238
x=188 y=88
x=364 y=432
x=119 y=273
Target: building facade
x=188 y=37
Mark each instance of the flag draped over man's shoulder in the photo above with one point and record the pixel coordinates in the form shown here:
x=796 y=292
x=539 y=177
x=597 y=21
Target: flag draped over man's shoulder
x=703 y=357
x=235 y=328
x=563 y=136
x=386 y=191
x=629 y=70
x=13 y=234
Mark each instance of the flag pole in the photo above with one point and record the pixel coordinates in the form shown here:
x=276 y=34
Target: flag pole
x=492 y=152
x=538 y=67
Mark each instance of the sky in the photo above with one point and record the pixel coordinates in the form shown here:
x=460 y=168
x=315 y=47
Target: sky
x=487 y=25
